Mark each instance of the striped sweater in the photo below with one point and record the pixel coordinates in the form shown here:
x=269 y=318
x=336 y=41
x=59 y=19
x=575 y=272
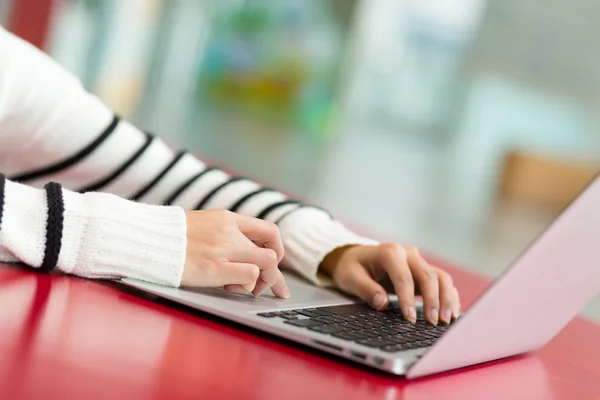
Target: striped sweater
x=115 y=204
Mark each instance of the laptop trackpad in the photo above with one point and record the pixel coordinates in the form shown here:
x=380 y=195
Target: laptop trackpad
x=303 y=294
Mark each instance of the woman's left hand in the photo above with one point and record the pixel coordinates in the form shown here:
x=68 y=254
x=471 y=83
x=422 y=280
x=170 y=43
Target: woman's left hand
x=356 y=270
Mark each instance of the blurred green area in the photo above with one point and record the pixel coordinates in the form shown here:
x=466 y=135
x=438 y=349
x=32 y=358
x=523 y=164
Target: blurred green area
x=274 y=60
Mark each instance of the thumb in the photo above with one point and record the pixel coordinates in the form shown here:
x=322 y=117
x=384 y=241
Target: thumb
x=358 y=282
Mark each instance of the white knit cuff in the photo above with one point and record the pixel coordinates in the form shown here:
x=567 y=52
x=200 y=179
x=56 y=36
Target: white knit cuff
x=106 y=236
x=308 y=235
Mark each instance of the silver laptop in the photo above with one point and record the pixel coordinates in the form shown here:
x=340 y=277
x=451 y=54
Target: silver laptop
x=525 y=308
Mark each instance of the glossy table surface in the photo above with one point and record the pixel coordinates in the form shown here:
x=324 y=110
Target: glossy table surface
x=64 y=337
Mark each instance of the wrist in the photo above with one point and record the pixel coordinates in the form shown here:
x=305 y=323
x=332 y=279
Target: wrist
x=333 y=258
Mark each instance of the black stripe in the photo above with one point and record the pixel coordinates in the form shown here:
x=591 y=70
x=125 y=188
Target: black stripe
x=2 y=184
x=216 y=190
x=288 y=213
x=247 y=197
x=161 y=175
x=263 y=214
x=54 y=226
x=69 y=162
x=187 y=184
x=105 y=181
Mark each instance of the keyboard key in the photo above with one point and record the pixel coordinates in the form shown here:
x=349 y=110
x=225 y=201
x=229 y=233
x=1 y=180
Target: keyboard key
x=287 y=316
x=304 y=323
x=309 y=313
x=346 y=335
x=267 y=314
x=420 y=345
x=411 y=327
x=401 y=329
x=400 y=339
x=328 y=329
x=337 y=318
x=288 y=312
x=346 y=309
x=367 y=334
x=420 y=336
x=355 y=326
x=429 y=335
x=326 y=320
x=379 y=332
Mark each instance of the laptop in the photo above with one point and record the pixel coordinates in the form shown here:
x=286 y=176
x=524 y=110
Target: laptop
x=525 y=308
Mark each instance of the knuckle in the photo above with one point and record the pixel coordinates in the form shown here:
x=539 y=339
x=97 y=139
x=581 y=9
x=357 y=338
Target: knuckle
x=429 y=275
x=391 y=248
x=270 y=256
x=223 y=212
x=272 y=227
x=412 y=250
x=225 y=215
x=445 y=277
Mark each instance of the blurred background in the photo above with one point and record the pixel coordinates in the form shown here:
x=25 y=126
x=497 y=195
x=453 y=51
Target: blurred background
x=461 y=126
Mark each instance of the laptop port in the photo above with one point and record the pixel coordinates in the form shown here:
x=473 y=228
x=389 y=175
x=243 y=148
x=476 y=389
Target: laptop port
x=357 y=354
x=378 y=361
x=328 y=345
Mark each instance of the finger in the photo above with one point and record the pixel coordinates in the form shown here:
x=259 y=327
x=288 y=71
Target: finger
x=264 y=233
x=216 y=274
x=357 y=281
x=393 y=259
x=456 y=308
x=447 y=296
x=279 y=288
x=427 y=279
x=233 y=273
x=235 y=289
x=265 y=259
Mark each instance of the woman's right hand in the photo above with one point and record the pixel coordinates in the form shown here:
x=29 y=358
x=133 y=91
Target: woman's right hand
x=234 y=251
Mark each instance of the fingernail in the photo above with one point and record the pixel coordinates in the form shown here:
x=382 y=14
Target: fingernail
x=433 y=316
x=286 y=292
x=412 y=312
x=455 y=314
x=447 y=316
x=379 y=301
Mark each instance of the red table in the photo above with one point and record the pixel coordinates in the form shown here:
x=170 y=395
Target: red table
x=67 y=338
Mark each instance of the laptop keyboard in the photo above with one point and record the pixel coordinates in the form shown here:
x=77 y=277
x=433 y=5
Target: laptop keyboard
x=386 y=330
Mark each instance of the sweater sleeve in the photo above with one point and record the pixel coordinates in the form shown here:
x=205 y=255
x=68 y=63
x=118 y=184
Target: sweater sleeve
x=93 y=235
x=51 y=129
